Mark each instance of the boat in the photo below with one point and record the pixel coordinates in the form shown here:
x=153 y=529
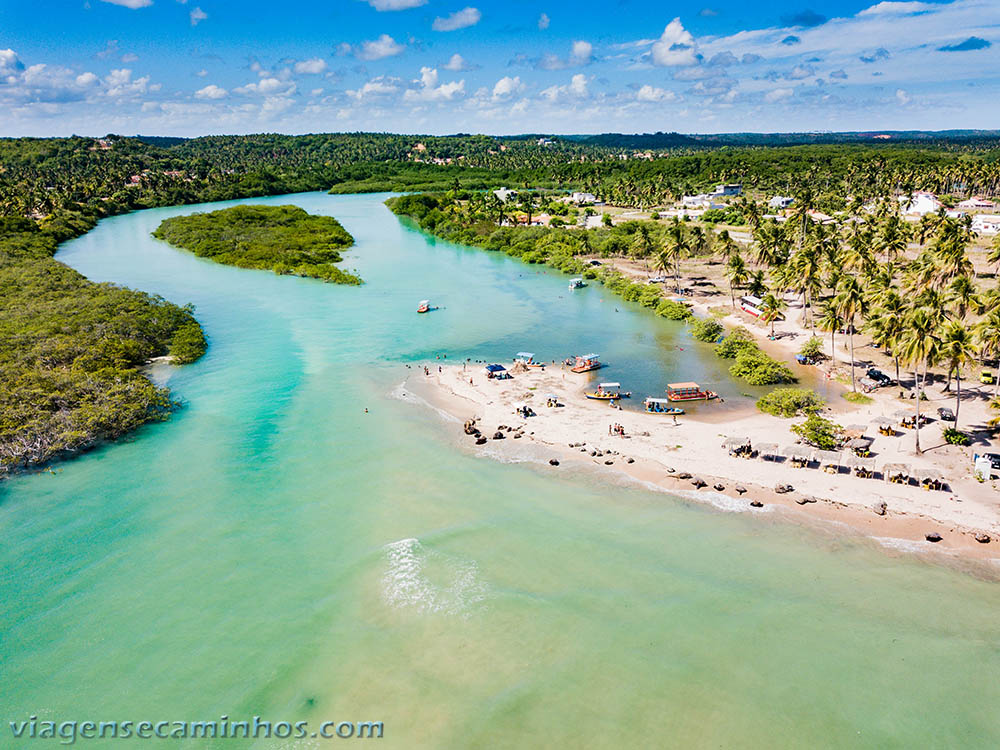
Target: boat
x=586 y=363
x=528 y=359
x=425 y=306
x=689 y=392
x=577 y=283
x=660 y=406
x=608 y=392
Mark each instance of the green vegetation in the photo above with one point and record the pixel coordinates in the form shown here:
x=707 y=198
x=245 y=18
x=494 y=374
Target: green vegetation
x=819 y=432
x=706 y=329
x=955 y=437
x=812 y=348
x=735 y=342
x=284 y=239
x=790 y=402
x=70 y=353
x=757 y=368
x=857 y=398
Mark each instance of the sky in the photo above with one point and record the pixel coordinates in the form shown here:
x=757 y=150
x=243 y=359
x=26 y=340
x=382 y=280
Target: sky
x=197 y=67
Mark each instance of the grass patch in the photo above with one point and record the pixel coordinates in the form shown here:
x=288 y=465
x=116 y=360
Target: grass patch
x=857 y=398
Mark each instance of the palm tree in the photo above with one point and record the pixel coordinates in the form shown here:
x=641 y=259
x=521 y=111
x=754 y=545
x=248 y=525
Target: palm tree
x=675 y=247
x=988 y=338
x=831 y=320
x=963 y=296
x=919 y=347
x=886 y=328
x=850 y=302
x=736 y=272
x=994 y=254
x=957 y=349
x=772 y=307
x=726 y=245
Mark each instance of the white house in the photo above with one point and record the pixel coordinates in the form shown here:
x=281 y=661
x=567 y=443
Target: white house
x=780 y=202
x=700 y=201
x=986 y=224
x=728 y=190
x=921 y=204
x=504 y=194
x=977 y=204
x=579 y=198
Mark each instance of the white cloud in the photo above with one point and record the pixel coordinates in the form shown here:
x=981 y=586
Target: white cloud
x=202 y=73
x=460 y=19
x=119 y=83
x=507 y=86
x=675 y=47
x=197 y=16
x=576 y=89
x=267 y=87
x=313 y=66
x=544 y=21
x=377 y=49
x=430 y=90
x=133 y=4
x=9 y=62
x=129 y=57
x=896 y=9
x=376 y=87
x=777 y=95
x=653 y=94
x=581 y=53
x=902 y=97
x=86 y=79
x=458 y=64
x=211 y=92
x=382 y=5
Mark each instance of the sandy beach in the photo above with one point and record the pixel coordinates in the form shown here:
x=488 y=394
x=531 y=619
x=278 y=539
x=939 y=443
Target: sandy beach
x=656 y=451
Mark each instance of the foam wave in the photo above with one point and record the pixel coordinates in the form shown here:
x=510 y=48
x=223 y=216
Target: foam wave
x=408 y=580
x=400 y=393
x=909 y=545
x=720 y=501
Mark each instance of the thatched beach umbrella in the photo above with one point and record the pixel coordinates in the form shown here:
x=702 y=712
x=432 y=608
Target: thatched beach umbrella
x=765 y=450
x=896 y=472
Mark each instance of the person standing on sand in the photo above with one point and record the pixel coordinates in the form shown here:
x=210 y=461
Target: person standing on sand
x=675 y=418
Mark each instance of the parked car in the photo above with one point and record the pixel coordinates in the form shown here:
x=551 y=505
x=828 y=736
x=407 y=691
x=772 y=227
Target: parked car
x=986 y=377
x=878 y=376
x=867 y=384
x=946 y=414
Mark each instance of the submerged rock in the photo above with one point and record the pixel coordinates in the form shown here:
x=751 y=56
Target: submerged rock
x=498 y=436
x=553 y=462
x=756 y=504
x=480 y=440
x=683 y=475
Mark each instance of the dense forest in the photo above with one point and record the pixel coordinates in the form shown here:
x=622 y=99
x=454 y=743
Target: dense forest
x=71 y=349
x=283 y=239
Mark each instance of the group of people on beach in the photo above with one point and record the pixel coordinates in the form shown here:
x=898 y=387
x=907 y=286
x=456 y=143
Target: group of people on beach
x=616 y=429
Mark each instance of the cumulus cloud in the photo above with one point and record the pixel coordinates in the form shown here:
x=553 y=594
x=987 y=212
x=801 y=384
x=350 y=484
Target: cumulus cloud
x=460 y=19
x=777 y=95
x=581 y=53
x=458 y=64
x=211 y=92
x=9 y=62
x=544 y=21
x=880 y=54
x=576 y=89
x=376 y=87
x=312 y=66
x=896 y=9
x=376 y=49
x=840 y=74
x=431 y=91
x=649 y=93
x=507 y=86
x=902 y=97
x=269 y=86
x=381 y=5
x=969 y=45
x=799 y=72
x=197 y=16
x=133 y=4
x=675 y=47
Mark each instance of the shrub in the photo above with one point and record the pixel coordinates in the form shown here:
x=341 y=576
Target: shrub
x=812 y=348
x=955 y=437
x=759 y=369
x=706 y=329
x=673 y=310
x=790 y=402
x=818 y=432
x=738 y=340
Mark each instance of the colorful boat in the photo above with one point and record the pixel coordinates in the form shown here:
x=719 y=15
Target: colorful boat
x=528 y=359
x=577 y=283
x=608 y=392
x=586 y=363
x=425 y=306
x=689 y=392
x=660 y=406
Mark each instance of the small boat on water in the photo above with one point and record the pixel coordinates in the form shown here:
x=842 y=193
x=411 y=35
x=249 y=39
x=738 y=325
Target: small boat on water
x=528 y=359
x=660 y=406
x=425 y=306
x=586 y=363
x=577 y=283
x=689 y=392
x=608 y=392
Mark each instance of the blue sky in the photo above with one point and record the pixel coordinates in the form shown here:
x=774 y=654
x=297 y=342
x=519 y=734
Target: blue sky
x=191 y=67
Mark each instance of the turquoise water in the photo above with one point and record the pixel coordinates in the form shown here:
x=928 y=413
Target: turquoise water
x=273 y=550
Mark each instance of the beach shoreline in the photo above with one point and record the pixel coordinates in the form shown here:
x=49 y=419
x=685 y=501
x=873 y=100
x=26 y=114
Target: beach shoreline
x=657 y=454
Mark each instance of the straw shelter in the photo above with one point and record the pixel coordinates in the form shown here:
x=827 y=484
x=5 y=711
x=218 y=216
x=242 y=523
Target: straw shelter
x=861 y=446
x=930 y=478
x=855 y=430
x=885 y=426
x=863 y=467
x=737 y=445
x=768 y=451
x=830 y=461
x=798 y=455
